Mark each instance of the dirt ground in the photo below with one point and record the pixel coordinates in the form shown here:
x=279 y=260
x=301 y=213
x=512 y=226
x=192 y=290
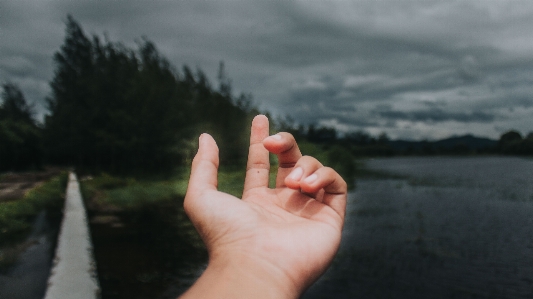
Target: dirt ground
x=14 y=185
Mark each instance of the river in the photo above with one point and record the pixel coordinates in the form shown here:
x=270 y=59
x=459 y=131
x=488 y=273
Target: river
x=443 y=228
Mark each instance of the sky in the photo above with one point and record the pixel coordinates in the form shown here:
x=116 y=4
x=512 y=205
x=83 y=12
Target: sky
x=411 y=69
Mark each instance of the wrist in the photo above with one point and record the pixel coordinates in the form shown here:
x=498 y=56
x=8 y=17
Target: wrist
x=242 y=277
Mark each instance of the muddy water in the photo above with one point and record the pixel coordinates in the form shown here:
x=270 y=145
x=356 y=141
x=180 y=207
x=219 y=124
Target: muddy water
x=453 y=228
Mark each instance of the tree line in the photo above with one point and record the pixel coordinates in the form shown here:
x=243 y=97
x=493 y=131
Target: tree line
x=362 y=144
x=123 y=110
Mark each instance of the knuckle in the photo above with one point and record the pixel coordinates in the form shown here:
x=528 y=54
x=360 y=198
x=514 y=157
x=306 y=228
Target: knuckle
x=287 y=135
x=329 y=171
x=308 y=159
x=309 y=162
x=258 y=165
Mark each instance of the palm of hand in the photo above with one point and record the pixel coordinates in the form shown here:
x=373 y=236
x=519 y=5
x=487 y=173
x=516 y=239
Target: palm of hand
x=292 y=233
x=281 y=226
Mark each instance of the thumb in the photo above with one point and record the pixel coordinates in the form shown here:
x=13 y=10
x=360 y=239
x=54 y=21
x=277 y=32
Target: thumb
x=204 y=168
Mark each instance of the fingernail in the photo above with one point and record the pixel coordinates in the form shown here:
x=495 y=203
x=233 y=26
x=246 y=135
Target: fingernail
x=296 y=174
x=275 y=137
x=200 y=139
x=311 y=178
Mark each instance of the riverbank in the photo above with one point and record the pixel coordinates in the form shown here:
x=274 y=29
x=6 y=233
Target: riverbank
x=24 y=196
x=29 y=226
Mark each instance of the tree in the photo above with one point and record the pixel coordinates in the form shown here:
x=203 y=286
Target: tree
x=68 y=125
x=321 y=134
x=14 y=105
x=527 y=144
x=19 y=134
x=510 y=142
x=120 y=110
x=112 y=108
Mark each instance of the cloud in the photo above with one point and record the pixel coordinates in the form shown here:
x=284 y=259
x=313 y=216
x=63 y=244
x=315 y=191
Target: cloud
x=463 y=65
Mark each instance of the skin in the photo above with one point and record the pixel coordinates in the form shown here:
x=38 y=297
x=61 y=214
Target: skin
x=274 y=243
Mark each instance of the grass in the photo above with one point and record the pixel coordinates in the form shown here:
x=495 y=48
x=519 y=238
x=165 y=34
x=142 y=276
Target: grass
x=129 y=193
x=132 y=200
x=16 y=217
x=140 y=203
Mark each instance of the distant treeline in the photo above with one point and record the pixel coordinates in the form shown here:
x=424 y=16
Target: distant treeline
x=123 y=110
x=362 y=144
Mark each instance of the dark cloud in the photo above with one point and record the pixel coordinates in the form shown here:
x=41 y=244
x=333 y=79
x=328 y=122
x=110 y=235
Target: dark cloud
x=411 y=68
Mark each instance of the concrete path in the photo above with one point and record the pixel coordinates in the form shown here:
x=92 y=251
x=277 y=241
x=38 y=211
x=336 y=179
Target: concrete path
x=74 y=273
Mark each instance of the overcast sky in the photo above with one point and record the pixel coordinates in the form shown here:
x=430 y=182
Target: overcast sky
x=412 y=69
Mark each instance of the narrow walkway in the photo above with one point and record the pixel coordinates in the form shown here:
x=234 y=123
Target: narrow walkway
x=74 y=273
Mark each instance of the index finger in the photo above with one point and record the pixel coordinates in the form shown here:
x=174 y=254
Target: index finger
x=258 y=165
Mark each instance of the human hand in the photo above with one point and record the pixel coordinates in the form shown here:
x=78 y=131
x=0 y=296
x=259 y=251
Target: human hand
x=274 y=242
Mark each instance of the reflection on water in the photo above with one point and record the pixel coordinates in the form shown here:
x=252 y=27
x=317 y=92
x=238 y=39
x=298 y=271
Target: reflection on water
x=27 y=278
x=454 y=228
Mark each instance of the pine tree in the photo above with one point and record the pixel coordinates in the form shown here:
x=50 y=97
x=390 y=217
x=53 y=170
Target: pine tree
x=68 y=124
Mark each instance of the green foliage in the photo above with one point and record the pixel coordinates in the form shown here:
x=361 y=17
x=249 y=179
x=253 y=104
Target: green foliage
x=19 y=135
x=128 y=193
x=16 y=216
x=512 y=143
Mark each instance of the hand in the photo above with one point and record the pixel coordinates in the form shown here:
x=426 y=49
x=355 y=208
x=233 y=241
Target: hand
x=274 y=242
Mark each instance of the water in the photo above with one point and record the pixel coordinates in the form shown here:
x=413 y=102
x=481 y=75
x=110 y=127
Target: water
x=453 y=228
x=450 y=228
x=27 y=278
